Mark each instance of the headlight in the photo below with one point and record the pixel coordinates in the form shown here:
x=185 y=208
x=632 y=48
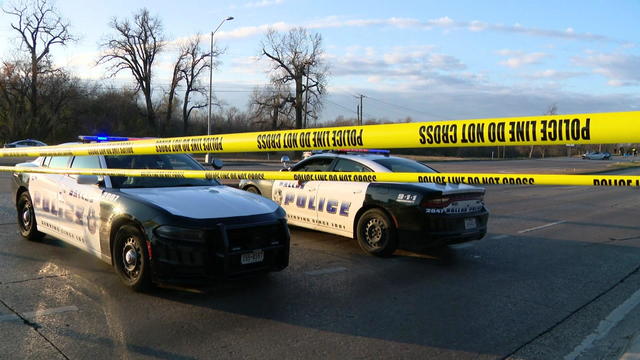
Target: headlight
x=178 y=233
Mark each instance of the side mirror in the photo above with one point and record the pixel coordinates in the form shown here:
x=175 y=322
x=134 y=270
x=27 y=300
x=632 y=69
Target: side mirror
x=216 y=163
x=87 y=179
x=284 y=160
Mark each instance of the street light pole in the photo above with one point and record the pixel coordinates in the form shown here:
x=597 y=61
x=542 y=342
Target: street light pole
x=211 y=79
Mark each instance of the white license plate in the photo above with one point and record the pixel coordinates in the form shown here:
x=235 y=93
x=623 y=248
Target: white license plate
x=469 y=223
x=252 y=257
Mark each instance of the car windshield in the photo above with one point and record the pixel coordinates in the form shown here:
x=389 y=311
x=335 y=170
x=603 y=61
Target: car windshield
x=404 y=165
x=164 y=162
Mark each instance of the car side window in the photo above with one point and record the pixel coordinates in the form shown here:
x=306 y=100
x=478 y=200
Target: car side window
x=59 y=161
x=86 y=162
x=319 y=164
x=181 y=163
x=350 y=166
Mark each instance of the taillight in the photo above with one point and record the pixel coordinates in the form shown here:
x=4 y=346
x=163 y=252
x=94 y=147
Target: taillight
x=437 y=203
x=442 y=202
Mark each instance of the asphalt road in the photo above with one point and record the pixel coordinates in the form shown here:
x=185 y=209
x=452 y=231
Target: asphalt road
x=555 y=263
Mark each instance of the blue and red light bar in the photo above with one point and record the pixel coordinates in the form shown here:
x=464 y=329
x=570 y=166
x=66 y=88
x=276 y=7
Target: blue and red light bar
x=101 y=138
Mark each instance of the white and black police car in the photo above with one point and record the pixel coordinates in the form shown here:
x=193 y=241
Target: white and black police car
x=153 y=230
x=380 y=216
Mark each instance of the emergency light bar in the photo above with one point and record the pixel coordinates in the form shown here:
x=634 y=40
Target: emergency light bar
x=365 y=151
x=100 y=138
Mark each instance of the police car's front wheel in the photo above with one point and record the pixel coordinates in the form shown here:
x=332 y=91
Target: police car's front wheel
x=130 y=258
x=376 y=234
x=27 y=218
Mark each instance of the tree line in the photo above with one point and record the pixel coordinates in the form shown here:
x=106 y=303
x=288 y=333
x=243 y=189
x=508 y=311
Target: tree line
x=40 y=100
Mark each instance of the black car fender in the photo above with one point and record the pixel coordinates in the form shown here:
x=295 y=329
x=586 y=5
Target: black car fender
x=135 y=212
x=399 y=200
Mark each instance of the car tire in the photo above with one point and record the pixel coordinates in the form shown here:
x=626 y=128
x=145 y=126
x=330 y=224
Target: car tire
x=27 y=218
x=130 y=258
x=376 y=234
x=253 y=189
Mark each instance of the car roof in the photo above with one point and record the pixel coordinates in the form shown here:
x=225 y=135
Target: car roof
x=363 y=158
x=354 y=156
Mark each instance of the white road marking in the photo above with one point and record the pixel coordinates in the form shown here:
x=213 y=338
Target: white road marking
x=541 y=227
x=33 y=314
x=606 y=325
x=499 y=237
x=326 y=271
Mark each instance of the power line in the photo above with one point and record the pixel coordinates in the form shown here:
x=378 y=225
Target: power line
x=399 y=112
x=341 y=106
x=410 y=109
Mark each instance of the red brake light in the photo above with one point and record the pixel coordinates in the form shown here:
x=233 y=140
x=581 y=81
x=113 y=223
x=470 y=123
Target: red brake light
x=436 y=203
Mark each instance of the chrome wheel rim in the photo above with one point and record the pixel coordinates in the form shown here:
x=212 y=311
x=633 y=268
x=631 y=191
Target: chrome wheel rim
x=131 y=258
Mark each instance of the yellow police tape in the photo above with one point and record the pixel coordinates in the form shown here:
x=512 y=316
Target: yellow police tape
x=596 y=128
x=438 y=178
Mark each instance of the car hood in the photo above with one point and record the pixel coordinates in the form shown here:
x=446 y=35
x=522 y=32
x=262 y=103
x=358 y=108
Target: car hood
x=204 y=202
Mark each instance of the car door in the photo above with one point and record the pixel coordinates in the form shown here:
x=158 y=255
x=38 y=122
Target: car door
x=47 y=193
x=83 y=202
x=299 y=198
x=341 y=199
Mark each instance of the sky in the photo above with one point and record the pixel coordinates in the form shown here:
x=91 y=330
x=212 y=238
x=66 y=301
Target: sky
x=428 y=60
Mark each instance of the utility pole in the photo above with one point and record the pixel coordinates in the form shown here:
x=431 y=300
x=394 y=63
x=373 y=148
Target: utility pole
x=306 y=98
x=360 y=114
x=359 y=108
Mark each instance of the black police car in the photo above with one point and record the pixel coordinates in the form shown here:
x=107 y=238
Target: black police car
x=380 y=216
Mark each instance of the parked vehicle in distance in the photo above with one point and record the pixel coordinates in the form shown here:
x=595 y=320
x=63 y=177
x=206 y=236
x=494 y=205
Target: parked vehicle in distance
x=380 y=216
x=596 y=155
x=25 y=143
x=152 y=229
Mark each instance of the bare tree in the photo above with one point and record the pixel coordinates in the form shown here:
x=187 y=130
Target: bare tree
x=195 y=62
x=176 y=78
x=271 y=108
x=551 y=110
x=40 y=27
x=297 y=59
x=14 y=94
x=134 y=47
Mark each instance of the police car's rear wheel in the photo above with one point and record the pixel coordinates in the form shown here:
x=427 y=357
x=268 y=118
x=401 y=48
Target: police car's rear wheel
x=253 y=189
x=27 y=218
x=376 y=234
x=130 y=258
